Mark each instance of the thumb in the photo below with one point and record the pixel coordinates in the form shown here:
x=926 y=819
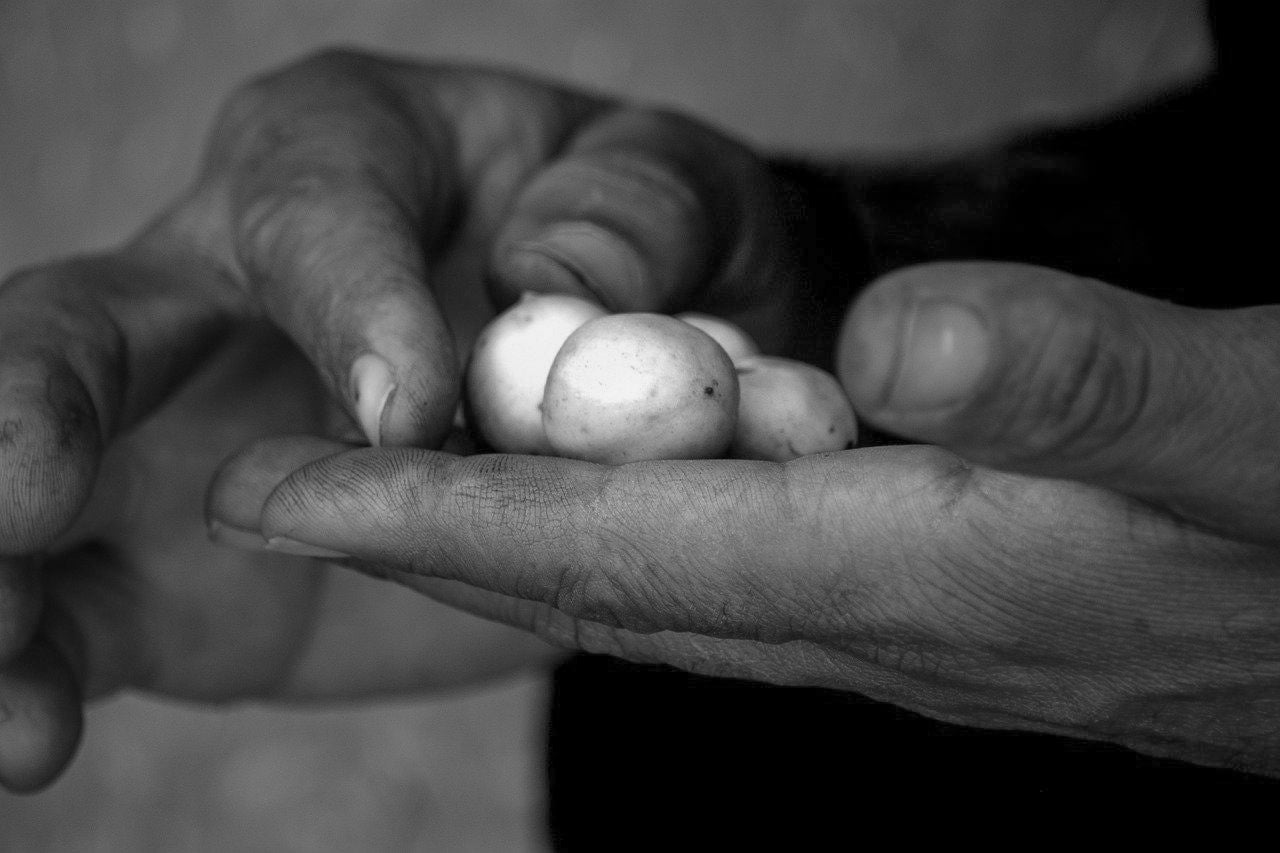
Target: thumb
x=1040 y=372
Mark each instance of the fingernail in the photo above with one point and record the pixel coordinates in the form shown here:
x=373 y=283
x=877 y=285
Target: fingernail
x=285 y=545
x=372 y=385
x=236 y=537
x=578 y=255
x=932 y=358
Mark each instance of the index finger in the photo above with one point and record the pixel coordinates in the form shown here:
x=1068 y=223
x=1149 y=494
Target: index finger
x=347 y=180
x=87 y=347
x=725 y=548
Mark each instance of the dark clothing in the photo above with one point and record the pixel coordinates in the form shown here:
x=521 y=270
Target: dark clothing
x=642 y=756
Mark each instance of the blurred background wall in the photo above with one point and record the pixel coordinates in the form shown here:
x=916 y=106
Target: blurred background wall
x=103 y=106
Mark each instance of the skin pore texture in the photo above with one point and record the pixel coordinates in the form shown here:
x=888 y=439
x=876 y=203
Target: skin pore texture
x=1071 y=547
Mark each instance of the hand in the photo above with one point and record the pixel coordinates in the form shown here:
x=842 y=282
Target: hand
x=1119 y=579
x=337 y=242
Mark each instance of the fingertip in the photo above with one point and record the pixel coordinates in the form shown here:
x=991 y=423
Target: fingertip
x=403 y=391
x=41 y=720
x=343 y=273
x=924 y=349
x=353 y=501
x=49 y=447
x=326 y=490
x=420 y=414
x=243 y=483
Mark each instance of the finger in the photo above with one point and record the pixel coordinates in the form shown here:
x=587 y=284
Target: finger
x=87 y=646
x=721 y=547
x=899 y=571
x=349 y=179
x=240 y=487
x=40 y=718
x=88 y=347
x=246 y=482
x=1037 y=371
x=647 y=211
x=341 y=178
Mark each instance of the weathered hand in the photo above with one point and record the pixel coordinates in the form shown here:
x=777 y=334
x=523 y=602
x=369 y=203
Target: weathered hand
x=1119 y=580
x=354 y=219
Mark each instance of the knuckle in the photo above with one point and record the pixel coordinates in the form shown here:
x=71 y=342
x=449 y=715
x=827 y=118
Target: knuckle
x=659 y=188
x=241 y=110
x=630 y=172
x=280 y=89
x=1079 y=392
x=931 y=482
x=266 y=229
x=257 y=115
x=687 y=194
x=306 y=221
x=631 y=192
x=951 y=478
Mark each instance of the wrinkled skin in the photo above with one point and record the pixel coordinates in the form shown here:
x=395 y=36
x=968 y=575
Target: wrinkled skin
x=1076 y=549
x=351 y=211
